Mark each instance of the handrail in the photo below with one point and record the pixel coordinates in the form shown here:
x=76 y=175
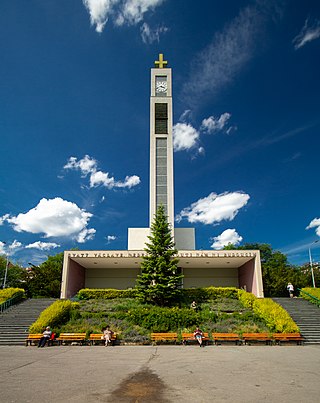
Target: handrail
x=9 y=302
x=310 y=295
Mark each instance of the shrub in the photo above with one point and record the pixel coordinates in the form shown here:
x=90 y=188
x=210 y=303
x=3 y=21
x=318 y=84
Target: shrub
x=208 y=293
x=277 y=318
x=8 y=293
x=164 y=319
x=55 y=315
x=105 y=293
x=315 y=292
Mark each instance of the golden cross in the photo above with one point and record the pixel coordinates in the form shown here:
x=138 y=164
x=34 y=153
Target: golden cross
x=160 y=63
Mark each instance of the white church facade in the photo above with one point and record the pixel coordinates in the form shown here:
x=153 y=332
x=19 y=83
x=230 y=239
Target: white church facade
x=201 y=268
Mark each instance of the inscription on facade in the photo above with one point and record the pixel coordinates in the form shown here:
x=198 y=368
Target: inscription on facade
x=191 y=254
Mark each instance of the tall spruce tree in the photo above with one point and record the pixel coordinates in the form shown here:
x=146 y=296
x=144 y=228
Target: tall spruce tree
x=159 y=281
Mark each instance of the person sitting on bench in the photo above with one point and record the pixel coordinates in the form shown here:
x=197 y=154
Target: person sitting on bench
x=107 y=334
x=45 y=337
x=198 y=335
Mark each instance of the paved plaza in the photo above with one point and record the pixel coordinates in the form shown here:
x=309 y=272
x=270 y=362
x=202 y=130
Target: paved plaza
x=160 y=374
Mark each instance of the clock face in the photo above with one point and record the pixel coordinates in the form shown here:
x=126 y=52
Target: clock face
x=161 y=86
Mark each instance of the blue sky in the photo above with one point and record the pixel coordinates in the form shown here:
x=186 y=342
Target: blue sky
x=74 y=122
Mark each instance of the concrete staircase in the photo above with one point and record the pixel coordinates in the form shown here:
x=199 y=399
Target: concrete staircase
x=306 y=315
x=15 y=321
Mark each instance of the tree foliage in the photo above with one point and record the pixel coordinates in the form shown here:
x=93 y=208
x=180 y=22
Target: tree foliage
x=159 y=281
x=45 y=280
x=276 y=271
x=15 y=274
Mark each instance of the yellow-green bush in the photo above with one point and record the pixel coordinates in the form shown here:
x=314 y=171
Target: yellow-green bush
x=315 y=292
x=55 y=315
x=277 y=318
x=105 y=293
x=8 y=293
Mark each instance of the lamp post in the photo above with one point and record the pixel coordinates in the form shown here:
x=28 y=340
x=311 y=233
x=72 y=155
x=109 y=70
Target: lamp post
x=6 y=270
x=311 y=266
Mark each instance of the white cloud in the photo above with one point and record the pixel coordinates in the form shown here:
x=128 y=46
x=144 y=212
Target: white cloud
x=54 y=218
x=215 y=208
x=122 y=12
x=212 y=124
x=307 y=34
x=315 y=223
x=132 y=11
x=99 y=11
x=42 y=245
x=221 y=61
x=88 y=166
x=86 y=235
x=2 y=248
x=229 y=236
x=4 y=218
x=15 y=245
x=111 y=238
x=9 y=249
x=185 y=137
x=149 y=35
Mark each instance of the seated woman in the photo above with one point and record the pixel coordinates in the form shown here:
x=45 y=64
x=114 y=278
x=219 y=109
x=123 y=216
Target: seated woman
x=107 y=334
x=198 y=335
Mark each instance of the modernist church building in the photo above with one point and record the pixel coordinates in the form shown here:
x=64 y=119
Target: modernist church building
x=201 y=268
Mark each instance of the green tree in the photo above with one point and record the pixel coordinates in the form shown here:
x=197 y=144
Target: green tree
x=15 y=274
x=276 y=271
x=160 y=281
x=45 y=280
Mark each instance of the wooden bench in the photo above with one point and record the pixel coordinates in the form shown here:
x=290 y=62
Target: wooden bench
x=256 y=337
x=161 y=337
x=35 y=337
x=189 y=337
x=98 y=338
x=71 y=337
x=288 y=337
x=225 y=337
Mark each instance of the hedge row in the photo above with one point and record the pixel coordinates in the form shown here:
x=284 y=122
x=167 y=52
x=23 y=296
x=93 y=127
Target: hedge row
x=197 y=294
x=277 y=318
x=8 y=293
x=55 y=315
x=105 y=293
x=312 y=291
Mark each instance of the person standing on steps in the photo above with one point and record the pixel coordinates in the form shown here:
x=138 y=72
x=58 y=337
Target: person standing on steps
x=290 y=289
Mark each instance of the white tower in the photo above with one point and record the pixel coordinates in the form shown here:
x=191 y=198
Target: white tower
x=161 y=161
x=161 y=148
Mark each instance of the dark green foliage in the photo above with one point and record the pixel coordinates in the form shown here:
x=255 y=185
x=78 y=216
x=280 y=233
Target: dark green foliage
x=159 y=281
x=15 y=274
x=45 y=280
x=276 y=271
x=164 y=319
x=207 y=293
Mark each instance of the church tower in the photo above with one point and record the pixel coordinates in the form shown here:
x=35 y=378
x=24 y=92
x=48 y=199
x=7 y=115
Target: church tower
x=161 y=161
x=161 y=147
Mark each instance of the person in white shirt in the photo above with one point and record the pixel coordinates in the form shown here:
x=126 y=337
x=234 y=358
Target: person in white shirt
x=45 y=337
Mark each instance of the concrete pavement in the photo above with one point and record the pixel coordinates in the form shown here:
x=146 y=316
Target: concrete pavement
x=160 y=374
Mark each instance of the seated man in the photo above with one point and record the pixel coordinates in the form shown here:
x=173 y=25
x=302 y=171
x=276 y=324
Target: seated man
x=46 y=335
